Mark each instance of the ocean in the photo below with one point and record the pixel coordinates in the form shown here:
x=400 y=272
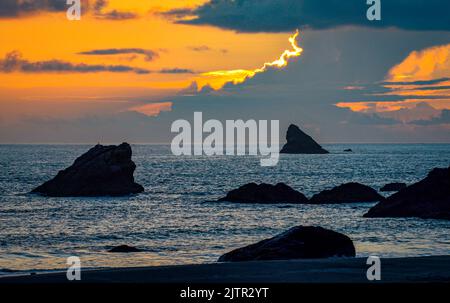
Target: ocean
x=176 y=220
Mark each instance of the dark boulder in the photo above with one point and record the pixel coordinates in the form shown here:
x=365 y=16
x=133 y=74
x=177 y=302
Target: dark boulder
x=300 y=143
x=265 y=193
x=124 y=249
x=301 y=242
x=347 y=193
x=101 y=171
x=428 y=199
x=396 y=186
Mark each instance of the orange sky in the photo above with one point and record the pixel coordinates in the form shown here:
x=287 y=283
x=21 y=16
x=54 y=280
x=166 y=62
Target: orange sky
x=50 y=36
x=47 y=36
x=212 y=56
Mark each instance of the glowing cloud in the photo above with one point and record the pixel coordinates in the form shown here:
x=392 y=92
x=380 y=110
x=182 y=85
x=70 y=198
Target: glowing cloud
x=430 y=63
x=285 y=56
x=217 y=79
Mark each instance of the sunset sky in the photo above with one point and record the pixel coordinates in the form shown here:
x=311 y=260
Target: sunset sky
x=128 y=69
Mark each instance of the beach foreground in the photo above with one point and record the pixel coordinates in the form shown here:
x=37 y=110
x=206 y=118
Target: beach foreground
x=343 y=270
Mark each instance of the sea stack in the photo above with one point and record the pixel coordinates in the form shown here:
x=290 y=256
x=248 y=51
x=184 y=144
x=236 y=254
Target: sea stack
x=101 y=171
x=300 y=143
x=300 y=242
x=428 y=199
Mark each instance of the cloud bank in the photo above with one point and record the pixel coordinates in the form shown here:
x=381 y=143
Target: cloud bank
x=176 y=70
x=14 y=8
x=287 y=15
x=13 y=62
x=147 y=53
x=100 y=13
x=21 y=8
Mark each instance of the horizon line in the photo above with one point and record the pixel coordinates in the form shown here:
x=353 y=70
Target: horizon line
x=168 y=143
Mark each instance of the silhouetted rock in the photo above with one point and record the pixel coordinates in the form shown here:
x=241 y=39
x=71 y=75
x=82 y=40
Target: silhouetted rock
x=347 y=193
x=102 y=171
x=265 y=193
x=300 y=143
x=124 y=249
x=428 y=198
x=348 y=150
x=396 y=186
x=301 y=242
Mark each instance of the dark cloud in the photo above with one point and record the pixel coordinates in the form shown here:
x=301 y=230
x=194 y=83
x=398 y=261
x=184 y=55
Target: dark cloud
x=205 y=48
x=286 y=15
x=176 y=71
x=178 y=13
x=443 y=118
x=400 y=97
x=14 y=8
x=117 y=15
x=99 y=7
x=200 y=48
x=149 y=54
x=18 y=8
x=13 y=62
x=444 y=87
x=420 y=82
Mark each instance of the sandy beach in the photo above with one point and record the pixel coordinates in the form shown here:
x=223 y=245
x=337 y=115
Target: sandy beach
x=344 y=270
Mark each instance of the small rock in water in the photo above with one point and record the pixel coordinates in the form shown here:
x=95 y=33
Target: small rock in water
x=347 y=193
x=301 y=242
x=265 y=193
x=124 y=249
x=348 y=150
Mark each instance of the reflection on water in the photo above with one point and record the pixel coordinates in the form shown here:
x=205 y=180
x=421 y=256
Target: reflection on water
x=174 y=220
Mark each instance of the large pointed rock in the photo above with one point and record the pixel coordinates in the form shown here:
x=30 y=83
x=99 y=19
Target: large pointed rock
x=300 y=143
x=301 y=242
x=265 y=193
x=101 y=171
x=428 y=198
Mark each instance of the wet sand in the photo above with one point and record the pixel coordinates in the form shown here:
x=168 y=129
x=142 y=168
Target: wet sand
x=337 y=270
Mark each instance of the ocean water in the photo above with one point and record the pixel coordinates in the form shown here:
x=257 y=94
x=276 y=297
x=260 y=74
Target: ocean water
x=176 y=220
